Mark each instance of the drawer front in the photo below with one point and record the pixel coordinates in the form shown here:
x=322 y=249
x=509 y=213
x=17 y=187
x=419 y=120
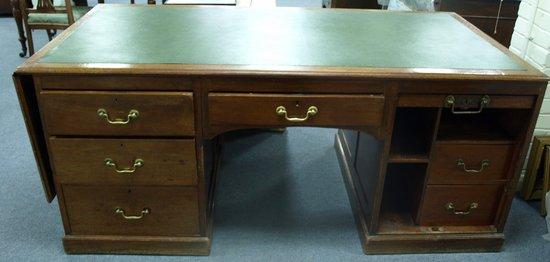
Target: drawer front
x=472 y=101
x=490 y=8
x=286 y=110
x=114 y=82
x=460 y=164
x=137 y=211
x=124 y=161
x=459 y=205
x=505 y=28
x=118 y=113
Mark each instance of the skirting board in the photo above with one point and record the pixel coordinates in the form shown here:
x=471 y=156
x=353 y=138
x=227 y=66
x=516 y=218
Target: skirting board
x=137 y=245
x=410 y=243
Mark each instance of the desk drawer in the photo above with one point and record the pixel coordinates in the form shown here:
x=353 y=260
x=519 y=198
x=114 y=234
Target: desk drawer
x=130 y=113
x=459 y=205
x=149 y=211
x=287 y=110
x=124 y=161
x=457 y=163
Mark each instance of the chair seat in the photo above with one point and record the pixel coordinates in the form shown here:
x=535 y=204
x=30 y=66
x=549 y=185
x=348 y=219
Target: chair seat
x=57 y=18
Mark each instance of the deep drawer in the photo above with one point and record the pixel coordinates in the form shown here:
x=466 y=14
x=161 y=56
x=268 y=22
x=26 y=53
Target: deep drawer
x=459 y=205
x=118 y=113
x=460 y=164
x=287 y=110
x=124 y=161
x=138 y=211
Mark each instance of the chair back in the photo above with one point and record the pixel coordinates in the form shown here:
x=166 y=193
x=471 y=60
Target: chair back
x=44 y=6
x=47 y=6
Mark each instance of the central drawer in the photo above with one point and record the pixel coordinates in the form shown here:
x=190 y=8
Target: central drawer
x=295 y=109
x=124 y=161
x=118 y=113
x=136 y=211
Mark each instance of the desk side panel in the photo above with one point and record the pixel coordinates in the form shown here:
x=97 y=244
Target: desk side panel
x=24 y=85
x=519 y=158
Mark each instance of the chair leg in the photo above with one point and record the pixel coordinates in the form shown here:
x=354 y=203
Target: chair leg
x=16 y=11
x=51 y=33
x=29 y=41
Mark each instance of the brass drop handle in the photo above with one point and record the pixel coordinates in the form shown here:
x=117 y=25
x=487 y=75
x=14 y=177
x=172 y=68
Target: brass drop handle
x=137 y=163
x=450 y=101
x=133 y=114
x=451 y=208
x=144 y=212
x=311 y=111
x=484 y=163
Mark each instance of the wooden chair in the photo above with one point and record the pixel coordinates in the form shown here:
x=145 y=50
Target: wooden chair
x=51 y=16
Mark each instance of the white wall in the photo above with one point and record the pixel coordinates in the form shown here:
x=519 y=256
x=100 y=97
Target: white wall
x=531 y=41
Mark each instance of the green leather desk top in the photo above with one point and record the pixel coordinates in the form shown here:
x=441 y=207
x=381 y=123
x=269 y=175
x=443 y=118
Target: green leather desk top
x=122 y=34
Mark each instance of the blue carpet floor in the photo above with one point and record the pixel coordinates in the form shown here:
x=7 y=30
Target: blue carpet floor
x=280 y=197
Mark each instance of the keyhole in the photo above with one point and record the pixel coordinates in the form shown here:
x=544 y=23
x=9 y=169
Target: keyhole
x=297 y=104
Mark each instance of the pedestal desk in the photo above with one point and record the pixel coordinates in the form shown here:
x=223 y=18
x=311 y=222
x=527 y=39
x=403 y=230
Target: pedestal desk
x=125 y=110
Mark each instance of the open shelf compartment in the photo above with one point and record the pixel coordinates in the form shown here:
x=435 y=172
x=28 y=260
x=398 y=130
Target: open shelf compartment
x=492 y=125
x=413 y=134
x=403 y=188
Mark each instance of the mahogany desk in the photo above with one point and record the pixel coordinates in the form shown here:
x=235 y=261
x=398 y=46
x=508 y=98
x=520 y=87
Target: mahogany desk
x=435 y=120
